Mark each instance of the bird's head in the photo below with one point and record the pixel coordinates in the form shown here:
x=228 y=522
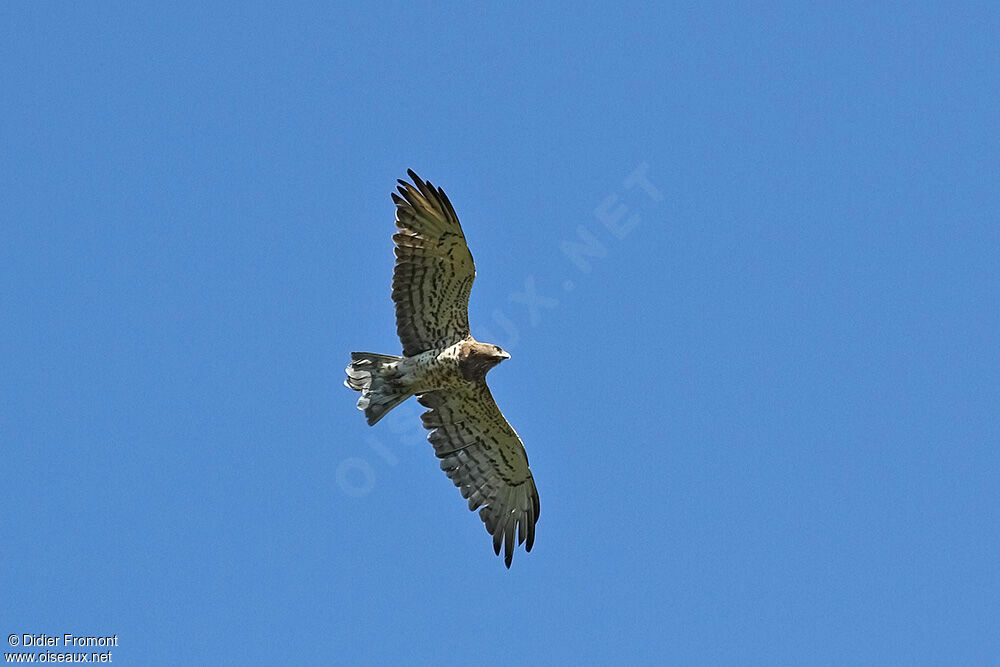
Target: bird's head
x=476 y=359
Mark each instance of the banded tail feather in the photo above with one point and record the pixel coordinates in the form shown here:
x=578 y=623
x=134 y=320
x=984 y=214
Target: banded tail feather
x=377 y=378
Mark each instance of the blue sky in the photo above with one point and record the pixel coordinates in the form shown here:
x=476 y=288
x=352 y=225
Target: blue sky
x=761 y=412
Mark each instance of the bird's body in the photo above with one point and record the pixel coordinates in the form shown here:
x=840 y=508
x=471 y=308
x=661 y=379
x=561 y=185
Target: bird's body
x=467 y=361
x=445 y=367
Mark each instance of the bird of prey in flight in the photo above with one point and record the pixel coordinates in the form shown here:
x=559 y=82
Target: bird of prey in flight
x=445 y=368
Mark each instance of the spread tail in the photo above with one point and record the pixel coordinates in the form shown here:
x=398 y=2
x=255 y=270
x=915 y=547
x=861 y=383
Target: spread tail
x=377 y=378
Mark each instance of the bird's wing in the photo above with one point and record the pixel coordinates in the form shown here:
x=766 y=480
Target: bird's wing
x=434 y=269
x=485 y=459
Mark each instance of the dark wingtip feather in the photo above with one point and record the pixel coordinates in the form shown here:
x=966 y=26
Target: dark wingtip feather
x=496 y=531
x=508 y=543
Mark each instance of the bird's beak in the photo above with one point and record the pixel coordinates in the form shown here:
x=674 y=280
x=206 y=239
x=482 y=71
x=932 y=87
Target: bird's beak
x=504 y=355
